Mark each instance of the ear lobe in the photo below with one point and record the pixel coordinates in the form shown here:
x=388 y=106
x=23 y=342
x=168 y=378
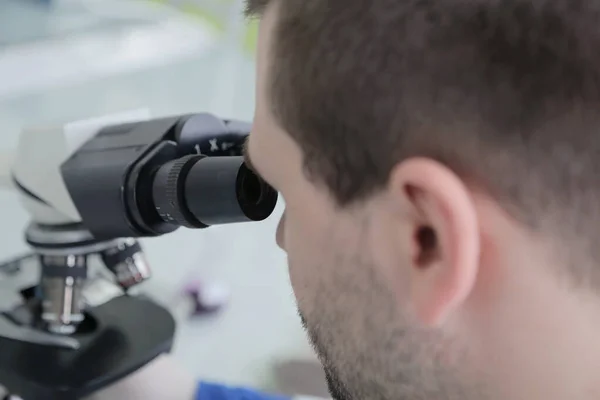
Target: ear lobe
x=445 y=257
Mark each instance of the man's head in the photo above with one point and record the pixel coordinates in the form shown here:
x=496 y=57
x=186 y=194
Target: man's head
x=440 y=165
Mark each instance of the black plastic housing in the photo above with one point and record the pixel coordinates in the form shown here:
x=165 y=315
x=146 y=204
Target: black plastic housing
x=111 y=178
x=98 y=176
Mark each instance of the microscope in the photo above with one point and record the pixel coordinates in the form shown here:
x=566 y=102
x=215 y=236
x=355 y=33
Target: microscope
x=92 y=190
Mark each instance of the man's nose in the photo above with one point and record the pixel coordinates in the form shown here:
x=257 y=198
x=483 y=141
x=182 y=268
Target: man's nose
x=280 y=236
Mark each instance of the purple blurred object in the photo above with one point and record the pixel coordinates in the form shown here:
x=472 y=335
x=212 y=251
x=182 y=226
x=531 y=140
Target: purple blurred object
x=207 y=298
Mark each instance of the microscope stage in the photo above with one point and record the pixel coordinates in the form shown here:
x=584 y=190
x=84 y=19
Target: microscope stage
x=124 y=335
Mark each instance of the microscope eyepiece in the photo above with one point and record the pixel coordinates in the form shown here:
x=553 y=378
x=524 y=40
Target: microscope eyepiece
x=197 y=191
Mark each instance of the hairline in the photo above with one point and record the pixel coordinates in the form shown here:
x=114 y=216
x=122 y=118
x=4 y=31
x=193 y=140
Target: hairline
x=255 y=8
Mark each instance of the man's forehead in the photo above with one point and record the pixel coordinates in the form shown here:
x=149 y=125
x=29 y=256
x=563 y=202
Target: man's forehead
x=268 y=140
x=264 y=60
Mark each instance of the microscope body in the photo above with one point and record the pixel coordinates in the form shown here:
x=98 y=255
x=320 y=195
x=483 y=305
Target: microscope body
x=92 y=189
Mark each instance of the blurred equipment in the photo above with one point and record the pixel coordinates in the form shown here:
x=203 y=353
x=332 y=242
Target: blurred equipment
x=84 y=40
x=92 y=188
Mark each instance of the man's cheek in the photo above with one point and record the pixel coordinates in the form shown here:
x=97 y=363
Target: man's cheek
x=302 y=255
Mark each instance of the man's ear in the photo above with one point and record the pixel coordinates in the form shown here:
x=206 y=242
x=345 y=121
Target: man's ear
x=445 y=237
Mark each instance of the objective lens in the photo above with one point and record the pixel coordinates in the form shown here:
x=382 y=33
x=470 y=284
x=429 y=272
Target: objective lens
x=197 y=191
x=61 y=289
x=127 y=262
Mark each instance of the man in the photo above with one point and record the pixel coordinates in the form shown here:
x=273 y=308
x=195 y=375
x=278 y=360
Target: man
x=440 y=164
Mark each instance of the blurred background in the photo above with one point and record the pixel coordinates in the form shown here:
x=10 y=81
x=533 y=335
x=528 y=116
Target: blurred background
x=66 y=60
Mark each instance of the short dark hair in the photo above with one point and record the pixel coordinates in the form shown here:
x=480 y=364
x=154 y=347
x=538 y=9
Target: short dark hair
x=255 y=7
x=504 y=92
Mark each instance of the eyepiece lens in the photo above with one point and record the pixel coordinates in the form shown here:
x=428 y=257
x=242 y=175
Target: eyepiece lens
x=252 y=188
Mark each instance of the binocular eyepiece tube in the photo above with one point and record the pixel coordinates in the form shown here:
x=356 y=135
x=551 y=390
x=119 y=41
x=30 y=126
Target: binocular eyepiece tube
x=196 y=192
